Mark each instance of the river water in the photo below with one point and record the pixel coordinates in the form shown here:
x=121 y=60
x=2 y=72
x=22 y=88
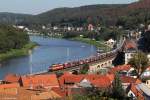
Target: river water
x=50 y=51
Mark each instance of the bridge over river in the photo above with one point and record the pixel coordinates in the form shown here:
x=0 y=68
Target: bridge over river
x=103 y=60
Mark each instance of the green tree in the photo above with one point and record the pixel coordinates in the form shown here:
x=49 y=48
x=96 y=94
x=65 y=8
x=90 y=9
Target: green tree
x=139 y=62
x=117 y=90
x=84 y=69
x=12 y=38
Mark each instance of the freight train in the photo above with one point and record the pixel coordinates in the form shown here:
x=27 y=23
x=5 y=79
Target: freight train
x=56 y=67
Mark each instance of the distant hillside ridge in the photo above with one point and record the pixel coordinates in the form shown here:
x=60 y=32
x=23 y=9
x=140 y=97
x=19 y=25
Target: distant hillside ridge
x=107 y=14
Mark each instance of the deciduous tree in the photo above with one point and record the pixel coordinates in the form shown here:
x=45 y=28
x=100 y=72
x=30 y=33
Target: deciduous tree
x=139 y=62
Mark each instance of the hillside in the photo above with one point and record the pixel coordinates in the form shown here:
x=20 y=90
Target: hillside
x=12 y=18
x=140 y=5
x=107 y=14
x=81 y=14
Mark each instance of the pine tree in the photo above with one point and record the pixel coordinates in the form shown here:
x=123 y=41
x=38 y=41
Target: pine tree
x=117 y=90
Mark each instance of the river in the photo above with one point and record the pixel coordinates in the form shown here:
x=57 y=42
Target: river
x=50 y=51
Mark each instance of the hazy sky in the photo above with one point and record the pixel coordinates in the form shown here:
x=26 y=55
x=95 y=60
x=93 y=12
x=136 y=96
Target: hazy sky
x=38 y=6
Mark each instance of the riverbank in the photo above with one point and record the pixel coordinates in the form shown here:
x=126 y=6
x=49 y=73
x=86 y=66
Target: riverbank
x=17 y=52
x=99 y=44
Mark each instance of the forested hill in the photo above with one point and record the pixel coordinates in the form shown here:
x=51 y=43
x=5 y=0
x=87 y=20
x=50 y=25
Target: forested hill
x=107 y=14
x=66 y=15
x=82 y=14
x=11 y=18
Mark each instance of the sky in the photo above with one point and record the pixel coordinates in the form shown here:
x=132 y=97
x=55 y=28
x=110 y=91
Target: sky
x=39 y=6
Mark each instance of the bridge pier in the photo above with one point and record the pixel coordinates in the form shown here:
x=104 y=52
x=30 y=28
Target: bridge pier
x=96 y=67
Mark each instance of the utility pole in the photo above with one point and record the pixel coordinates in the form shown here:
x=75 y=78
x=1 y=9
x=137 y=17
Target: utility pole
x=30 y=62
x=68 y=54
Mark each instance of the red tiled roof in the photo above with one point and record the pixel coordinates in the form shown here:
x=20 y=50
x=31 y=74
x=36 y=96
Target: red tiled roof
x=76 y=91
x=102 y=82
x=97 y=80
x=138 y=81
x=120 y=68
x=70 y=78
x=59 y=91
x=91 y=77
x=127 y=79
x=62 y=78
x=11 y=85
x=49 y=80
x=130 y=45
x=137 y=92
x=148 y=68
x=11 y=78
x=111 y=77
x=73 y=78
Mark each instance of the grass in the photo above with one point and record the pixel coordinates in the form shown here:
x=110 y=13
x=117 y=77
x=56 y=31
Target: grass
x=98 y=44
x=13 y=53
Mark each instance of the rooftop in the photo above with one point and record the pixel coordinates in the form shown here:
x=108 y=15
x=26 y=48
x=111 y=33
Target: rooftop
x=120 y=68
x=11 y=78
x=48 y=80
x=144 y=88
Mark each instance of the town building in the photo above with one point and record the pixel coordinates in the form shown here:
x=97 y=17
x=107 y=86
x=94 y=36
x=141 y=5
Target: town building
x=139 y=91
x=130 y=50
x=11 y=78
x=148 y=83
x=55 y=28
x=149 y=27
x=90 y=27
x=146 y=73
x=45 y=81
x=110 y=43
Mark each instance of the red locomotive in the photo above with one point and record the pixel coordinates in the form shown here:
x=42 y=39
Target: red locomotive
x=56 y=67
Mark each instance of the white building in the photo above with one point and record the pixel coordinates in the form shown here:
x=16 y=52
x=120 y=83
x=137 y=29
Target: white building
x=111 y=43
x=43 y=27
x=148 y=83
x=55 y=28
x=79 y=29
x=130 y=50
x=148 y=27
x=69 y=28
x=19 y=27
x=129 y=55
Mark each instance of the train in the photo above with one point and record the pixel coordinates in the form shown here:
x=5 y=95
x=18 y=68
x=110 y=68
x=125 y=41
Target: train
x=92 y=59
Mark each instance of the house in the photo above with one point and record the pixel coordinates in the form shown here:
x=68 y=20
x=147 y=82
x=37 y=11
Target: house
x=110 y=42
x=126 y=81
x=20 y=27
x=11 y=78
x=86 y=81
x=9 y=89
x=134 y=93
x=79 y=29
x=46 y=81
x=48 y=95
x=76 y=91
x=146 y=73
x=130 y=50
x=43 y=27
x=124 y=70
x=90 y=27
x=148 y=83
x=59 y=91
x=55 y=28
x=102 y=82
x=139 y=91
x=72 y=80
x=149 y=27
x=69 y=28
x=10 y=85
x=85 y=84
